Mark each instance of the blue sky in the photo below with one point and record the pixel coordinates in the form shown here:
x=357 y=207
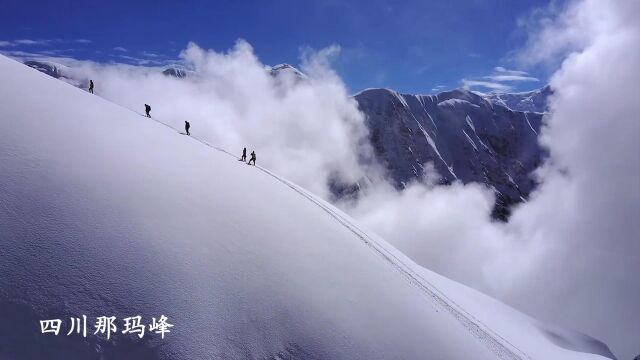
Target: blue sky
x=411 y=46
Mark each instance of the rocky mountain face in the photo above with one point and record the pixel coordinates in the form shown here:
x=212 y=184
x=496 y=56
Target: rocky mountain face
x=467 y=137
x=176 y=72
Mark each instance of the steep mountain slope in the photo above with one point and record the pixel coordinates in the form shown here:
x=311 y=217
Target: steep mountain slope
x=465 y=136
x=107 y=213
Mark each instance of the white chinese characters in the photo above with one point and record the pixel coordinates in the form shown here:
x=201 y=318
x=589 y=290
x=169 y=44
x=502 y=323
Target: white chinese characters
x=50 y=326
x=132 y=325
x=106 y=326
x=161 y=327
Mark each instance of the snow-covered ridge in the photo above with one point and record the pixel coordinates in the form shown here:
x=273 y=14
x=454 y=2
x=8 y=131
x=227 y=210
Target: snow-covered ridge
x=287 y=70
x=48 y=67
x=100 y=220
x=176 y=72
x=529 y=101
x=456 y=102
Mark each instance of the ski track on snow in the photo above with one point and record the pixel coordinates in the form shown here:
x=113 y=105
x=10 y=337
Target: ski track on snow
x=497 y=344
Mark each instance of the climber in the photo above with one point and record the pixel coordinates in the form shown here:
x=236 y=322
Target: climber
x=147 y=109
x=91 y=86
x=244 y=155
x=187 y=126
x=253 y=158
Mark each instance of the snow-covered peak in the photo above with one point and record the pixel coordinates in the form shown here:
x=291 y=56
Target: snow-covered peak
x=532 y=101
x=176 y=72
x=50 y=68
x=287 y=70
x=461 y=94
x=455 y=102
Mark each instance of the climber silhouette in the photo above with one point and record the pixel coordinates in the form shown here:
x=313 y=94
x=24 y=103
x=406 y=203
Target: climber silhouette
x=187 y=126
x=91 y=86
x=147 y=109
x=253 y=158
x=244 y=155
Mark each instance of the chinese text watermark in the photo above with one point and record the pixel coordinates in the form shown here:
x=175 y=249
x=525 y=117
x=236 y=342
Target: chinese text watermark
x=106 y=326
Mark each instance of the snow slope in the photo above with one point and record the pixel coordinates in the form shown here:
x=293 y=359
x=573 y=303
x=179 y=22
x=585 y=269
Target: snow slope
x=106 y=212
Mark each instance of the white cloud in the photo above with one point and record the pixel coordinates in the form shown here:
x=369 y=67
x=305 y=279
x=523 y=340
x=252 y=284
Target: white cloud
x=491 y=85
x=43 y=42
x=499 y=80
x=505 y=78
x=120 y=48
x=6 y=44
x=31 y=42
x=23 y=55
x=310 y=132
x=584 y=218
x=502 y=70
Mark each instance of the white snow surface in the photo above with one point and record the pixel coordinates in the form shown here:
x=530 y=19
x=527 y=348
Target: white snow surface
x=106 y=212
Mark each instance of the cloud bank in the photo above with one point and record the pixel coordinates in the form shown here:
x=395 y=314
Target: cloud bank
x=571 y=254
x=584 y=219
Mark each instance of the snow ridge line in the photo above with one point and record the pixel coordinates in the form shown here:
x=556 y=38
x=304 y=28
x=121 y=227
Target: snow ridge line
x=497 y=344
x=492 y=340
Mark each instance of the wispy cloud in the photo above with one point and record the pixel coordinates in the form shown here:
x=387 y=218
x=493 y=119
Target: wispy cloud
x=502 y=74
x=150 y=54
x=500 y=69
x=510 y=78
x=120 y=48
x=500 y=80
x=32 y=42
x=156 y=61
x=491 y=85
x=22 y=55
x=42 y=42
x=438 y=88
